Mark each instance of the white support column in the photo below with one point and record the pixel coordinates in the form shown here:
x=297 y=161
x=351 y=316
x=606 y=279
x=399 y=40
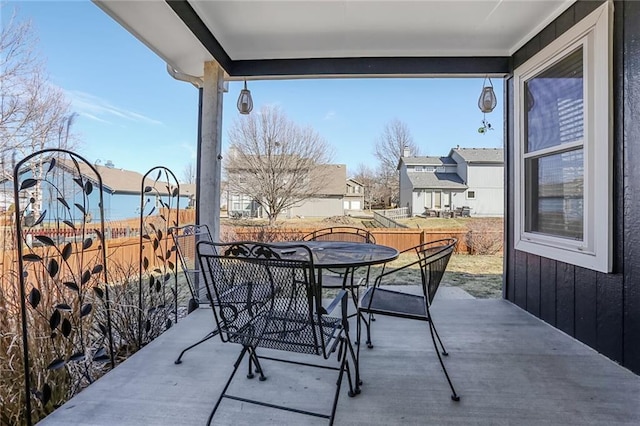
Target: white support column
x=210 y=160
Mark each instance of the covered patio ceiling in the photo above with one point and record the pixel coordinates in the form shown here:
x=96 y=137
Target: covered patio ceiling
x=271 y=39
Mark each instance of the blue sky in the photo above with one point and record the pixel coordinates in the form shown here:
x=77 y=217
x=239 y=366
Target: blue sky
x=130 y=111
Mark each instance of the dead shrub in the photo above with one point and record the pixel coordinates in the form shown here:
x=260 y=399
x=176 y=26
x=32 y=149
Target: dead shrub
x=267 y=234
x=485 y=236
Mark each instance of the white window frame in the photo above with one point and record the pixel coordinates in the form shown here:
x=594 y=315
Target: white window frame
x=469 y=192
x=595 y=250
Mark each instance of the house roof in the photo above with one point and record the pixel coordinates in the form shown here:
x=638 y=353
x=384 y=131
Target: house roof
x=428 y=180
x=119 y=180
x=334 y=175
x=116 y=181
x=481 y=155
x=354 y=182
x=425 y=161
x=188 y=189
x=314 y=37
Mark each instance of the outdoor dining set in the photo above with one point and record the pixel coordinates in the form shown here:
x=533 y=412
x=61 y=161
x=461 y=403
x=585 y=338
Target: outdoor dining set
x=298 y=297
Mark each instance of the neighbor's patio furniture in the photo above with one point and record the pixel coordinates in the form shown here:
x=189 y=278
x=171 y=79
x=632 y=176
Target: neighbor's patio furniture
x=430 y=212
x=432 y=259
x=268 y=297
x=185 y=239
x=463 y=211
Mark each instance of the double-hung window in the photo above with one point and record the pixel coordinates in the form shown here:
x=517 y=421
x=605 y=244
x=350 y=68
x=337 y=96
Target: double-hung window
x=563 y=147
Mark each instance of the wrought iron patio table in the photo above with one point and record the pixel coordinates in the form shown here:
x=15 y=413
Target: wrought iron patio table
x=344 y=255
x=340 y=254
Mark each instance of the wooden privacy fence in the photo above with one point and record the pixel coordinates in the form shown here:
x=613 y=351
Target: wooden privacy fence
x=113 y=229
x=123 y=256
x=400 y=239
x=124 y=251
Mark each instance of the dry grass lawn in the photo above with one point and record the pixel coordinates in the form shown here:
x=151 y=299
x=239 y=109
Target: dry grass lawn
x=480 y=276
x=300 y=222
x=437 y=224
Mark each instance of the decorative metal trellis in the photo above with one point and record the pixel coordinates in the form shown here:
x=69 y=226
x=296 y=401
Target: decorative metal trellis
x=65 y=307
x=158 y=279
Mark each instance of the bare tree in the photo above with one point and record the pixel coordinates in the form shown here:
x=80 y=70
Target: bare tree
x=189 y=173
x=390 y=146
x=366 y=176
x=34 y=114
x=275 y=162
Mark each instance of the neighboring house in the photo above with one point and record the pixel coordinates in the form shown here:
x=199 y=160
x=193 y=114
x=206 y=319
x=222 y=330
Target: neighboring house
x=188 y=193
x=482 y=169
x=467 y=177
x=354 y=197
x=328 y=202
x=122 y=191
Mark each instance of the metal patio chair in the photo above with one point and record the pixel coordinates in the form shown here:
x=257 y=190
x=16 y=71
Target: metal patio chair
x=271 y=301
x=185 y=239
x=341 y=233
x=341 y=278
x=432 y=259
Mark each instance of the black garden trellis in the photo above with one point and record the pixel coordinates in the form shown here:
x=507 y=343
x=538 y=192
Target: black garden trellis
x=65 y=311
x=158 y=300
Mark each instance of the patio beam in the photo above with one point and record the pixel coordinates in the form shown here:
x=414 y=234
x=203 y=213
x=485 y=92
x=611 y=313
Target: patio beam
x=380 y=66
x=191 y=19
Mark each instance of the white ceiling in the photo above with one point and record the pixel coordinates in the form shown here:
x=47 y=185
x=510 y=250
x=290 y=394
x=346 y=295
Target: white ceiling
x=267 y=29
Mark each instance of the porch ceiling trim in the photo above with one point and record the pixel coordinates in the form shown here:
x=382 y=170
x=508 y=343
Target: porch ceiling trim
x=259 y=39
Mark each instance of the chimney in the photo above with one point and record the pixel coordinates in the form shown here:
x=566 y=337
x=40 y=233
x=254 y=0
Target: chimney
x=406 y=152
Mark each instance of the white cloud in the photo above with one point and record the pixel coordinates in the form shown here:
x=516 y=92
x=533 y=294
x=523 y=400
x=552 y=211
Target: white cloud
x=94 y=118
x=99 y=109
x=330 y=115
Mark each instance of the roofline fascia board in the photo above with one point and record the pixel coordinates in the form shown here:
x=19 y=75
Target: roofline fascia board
x=188 y=15
x=485 y=162
x=462 y=66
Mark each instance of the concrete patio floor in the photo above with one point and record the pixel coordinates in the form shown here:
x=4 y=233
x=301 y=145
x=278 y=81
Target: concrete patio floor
x=509 y=368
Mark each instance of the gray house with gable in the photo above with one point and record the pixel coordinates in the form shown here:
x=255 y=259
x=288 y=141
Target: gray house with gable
x=467 y=177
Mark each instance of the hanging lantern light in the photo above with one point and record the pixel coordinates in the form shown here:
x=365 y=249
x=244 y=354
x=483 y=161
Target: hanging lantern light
x=487 y=101
x=245 y=103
